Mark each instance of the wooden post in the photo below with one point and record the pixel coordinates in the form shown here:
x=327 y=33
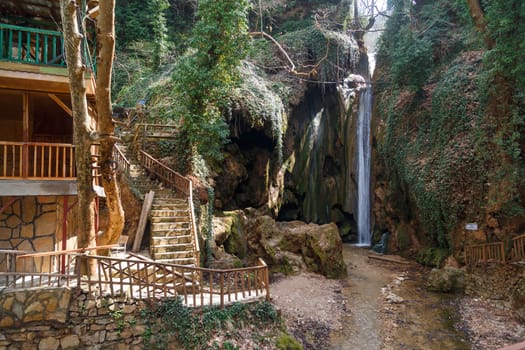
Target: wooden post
x=25 y=134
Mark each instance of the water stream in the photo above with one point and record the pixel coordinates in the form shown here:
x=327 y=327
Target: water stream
x=363 y=167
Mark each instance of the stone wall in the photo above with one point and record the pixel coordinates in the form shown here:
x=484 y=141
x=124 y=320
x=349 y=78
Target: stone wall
x=29 y=224
x=39 y=319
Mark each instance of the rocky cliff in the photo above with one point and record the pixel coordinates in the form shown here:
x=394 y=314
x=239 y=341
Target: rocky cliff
x=448 y=131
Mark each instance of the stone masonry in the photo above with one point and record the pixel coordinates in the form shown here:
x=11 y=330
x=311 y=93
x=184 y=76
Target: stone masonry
x=60 y=318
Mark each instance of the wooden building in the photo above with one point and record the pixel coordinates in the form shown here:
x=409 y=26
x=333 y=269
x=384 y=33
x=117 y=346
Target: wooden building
x=37 y=155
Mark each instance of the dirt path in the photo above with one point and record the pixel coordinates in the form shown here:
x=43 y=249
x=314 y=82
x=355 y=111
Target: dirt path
x=384 y=305
x=362 y=292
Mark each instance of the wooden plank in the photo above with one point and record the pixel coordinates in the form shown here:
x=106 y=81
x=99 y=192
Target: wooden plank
x=148 y=201
x=393 y=259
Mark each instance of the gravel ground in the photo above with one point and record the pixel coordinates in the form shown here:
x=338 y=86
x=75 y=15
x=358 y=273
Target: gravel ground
x=488 y=327
x=312 y=306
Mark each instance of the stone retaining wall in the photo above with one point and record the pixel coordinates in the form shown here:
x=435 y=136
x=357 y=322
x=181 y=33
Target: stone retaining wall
x=59 y=318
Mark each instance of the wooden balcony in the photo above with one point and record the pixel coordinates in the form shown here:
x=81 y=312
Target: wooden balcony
x=30 y=45
x=33 y=59
x=36 y=160
x=37 y=168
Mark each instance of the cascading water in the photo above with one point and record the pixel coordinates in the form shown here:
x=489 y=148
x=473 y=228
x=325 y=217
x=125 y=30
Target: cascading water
x=363 y=167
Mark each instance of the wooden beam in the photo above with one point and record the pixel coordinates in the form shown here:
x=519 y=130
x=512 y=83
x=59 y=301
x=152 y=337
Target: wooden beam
x=61 y=104
x=148 y=201
x=93 y=13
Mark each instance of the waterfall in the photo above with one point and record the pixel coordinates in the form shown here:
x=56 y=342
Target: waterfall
x=363 y=167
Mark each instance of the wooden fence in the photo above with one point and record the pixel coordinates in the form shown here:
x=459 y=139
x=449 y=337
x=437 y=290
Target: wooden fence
x=518 y=248
x=136 y=277
x=496 y=252
x=484 y=253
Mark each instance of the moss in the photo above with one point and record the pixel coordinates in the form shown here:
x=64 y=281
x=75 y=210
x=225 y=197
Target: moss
x=287 y=342
x=402 y=237
x=432 y=256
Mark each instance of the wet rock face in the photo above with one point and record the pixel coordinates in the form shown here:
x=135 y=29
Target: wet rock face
x=286 y=246
x=244 y=177
x=320 y=138
x=317 y=180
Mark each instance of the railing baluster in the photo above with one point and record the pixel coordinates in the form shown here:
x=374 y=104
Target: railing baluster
x=2 y=43
x=37 y=48
x=211 y=289
x=9 y=45
x=45 y=48
x=19 y=37
x=28 y=46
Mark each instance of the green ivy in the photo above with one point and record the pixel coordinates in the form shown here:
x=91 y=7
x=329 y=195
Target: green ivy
x=204 y=77
x=194 y=329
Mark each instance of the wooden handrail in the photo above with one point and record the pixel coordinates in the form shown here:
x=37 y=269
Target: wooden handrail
x=68 y=251
x=168 y=176
x=121 y=159
x=148 y=279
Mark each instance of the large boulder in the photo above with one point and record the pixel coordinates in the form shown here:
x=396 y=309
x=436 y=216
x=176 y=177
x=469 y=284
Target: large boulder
x=286 y=246
x=447 y=280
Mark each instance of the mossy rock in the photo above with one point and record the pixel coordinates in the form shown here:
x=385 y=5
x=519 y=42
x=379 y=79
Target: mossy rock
x=447 y=280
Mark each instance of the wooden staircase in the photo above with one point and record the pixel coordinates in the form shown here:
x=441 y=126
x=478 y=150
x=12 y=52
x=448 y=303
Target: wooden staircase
x=172 y=235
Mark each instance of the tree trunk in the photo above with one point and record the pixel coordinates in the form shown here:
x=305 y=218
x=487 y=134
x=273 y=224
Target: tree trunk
x=478 y=16
x=106 y=52
x=86 y=235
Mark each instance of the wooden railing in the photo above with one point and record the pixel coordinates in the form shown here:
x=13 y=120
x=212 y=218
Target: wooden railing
x=120 y=158
x=138 y=278
x=48 y=270
x=30 y=45
x=518 y=248
x=37 y=160
x=176 y=181
x=147 y=279
x=167 y=175
x=146 y=130
x=483 y=253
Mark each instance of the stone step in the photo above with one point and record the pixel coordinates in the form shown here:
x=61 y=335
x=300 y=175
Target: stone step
x=186 y=246
x=166 y=226
x=178 y=261
x=171 y=240
x=172 y=255
x=174 y=212
x=166 y=216
x=170 y=202
x=172 y=232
